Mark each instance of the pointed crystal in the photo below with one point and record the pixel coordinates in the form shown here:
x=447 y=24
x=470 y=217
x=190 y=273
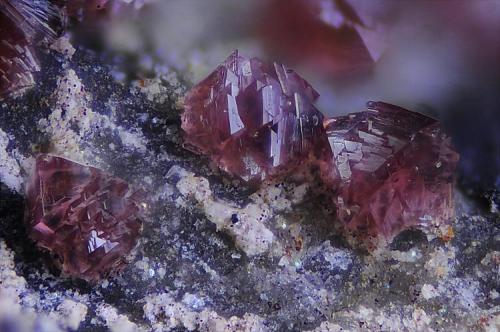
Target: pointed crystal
x=255 y=120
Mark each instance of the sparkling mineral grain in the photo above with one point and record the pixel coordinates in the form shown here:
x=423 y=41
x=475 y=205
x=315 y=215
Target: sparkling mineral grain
x=87 y=219
x=255 y=120
x=396 y=170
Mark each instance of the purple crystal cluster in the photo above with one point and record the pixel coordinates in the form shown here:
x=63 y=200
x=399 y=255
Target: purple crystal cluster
x=388 y=168
x=86 y=218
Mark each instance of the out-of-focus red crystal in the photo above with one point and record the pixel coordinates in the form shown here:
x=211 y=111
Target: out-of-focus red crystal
x=255 y=120
x=328 y=36
x=88 y=219
x=396 y=170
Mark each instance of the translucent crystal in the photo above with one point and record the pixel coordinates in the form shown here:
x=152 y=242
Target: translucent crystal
x=22 y=24
x=328 y=36
x=396 y=169
x=255 y=120
x=88 y=219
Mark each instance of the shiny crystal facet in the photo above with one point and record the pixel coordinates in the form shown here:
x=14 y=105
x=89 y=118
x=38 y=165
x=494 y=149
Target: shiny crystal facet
x=396 y=170
x=88 y=219
x=255 y=120
x=22 y=25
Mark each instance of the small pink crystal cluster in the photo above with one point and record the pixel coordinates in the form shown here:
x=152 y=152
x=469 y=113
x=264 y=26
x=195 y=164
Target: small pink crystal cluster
x=388 y=168
x=87 y=219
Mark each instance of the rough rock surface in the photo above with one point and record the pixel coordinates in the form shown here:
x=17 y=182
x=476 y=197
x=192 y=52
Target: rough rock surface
x=309 y=279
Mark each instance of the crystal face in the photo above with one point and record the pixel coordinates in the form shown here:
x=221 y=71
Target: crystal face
x=396 y=170
x=22 y=24
x=88 y=219
x=255 y=120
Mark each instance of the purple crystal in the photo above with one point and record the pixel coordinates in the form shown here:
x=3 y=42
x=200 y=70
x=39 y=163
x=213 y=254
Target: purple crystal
x=22 y=25
x=396 y=169
x=387 y=169
x=255 y=120
x=88 y=219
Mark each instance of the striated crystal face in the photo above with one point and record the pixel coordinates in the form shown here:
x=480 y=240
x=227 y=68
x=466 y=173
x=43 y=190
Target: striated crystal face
x=396 y=170
x=88 y=219
x=22 y=24
x=255 y=120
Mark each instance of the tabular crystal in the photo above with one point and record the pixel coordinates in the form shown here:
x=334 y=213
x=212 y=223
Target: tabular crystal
x=88 y=219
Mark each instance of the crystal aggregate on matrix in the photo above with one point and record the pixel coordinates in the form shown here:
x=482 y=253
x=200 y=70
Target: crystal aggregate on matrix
x=255 y=120
x=389 y=168
x=188 y=273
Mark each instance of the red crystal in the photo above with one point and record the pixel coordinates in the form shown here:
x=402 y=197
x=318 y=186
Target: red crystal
x=255 y=120
x=22 y=24
x=328 y=36
x=88 y=219
x=387 y=168
x=396 y=170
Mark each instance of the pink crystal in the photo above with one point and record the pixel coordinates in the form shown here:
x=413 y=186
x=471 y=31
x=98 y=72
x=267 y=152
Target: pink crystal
x=22 y=25
x=396 y=170
x=387 y=169
x=88 y=219
x=255 y=120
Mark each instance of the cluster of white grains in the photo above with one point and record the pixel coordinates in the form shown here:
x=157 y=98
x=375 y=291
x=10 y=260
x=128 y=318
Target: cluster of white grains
x=19 y=303
x=165 y=313
x=10 y=170
x=72 y=120
x=249 y=230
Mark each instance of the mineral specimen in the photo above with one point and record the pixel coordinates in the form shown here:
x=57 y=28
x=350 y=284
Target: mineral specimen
x=396 y=170
x=256 y=120
x=22 y=24
x=388 y=169
x=88 y=219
